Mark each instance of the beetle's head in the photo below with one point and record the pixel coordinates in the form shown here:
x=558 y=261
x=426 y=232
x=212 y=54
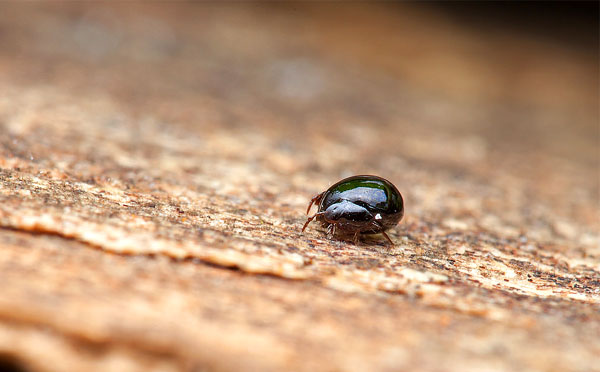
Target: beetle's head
x=346 y=211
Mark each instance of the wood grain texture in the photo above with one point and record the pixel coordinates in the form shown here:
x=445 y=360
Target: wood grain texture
x=156 y=162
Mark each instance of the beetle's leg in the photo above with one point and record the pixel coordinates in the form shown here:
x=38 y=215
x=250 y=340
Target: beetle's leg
x=315 y=200
x=330 y=230
x=388 y=238
x=311 y=218
x=355 y=237
x=379 y=225
x=376 y=225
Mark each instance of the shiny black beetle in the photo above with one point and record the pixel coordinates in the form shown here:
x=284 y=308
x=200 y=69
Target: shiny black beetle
x=358 y=205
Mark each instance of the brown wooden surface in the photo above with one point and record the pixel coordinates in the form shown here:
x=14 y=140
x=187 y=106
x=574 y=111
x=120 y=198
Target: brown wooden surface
x=156 y=162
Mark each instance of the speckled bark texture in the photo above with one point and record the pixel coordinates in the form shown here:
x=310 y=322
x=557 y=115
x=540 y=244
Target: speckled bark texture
x=156 y=162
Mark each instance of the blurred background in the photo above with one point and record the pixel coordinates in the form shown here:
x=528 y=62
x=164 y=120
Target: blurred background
x=201 y=130
x=511 y=74
x=506 y=91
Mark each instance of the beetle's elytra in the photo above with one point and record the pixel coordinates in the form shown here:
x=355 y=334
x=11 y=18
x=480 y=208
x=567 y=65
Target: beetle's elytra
x=356 y=205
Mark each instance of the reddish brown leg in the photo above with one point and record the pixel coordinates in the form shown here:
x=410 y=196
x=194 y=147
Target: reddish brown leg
x=355 y=237
x=315 y=200
x=377 y=224
x=388 y=238
x=311 y=218
x=331 y=230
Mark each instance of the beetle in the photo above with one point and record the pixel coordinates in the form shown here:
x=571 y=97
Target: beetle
x=363 y=204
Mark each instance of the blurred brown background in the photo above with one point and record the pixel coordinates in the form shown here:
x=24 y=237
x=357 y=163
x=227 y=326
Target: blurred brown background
x=156 y=160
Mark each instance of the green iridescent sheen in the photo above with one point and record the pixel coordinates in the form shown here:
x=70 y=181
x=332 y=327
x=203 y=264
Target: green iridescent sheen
x=376 y=194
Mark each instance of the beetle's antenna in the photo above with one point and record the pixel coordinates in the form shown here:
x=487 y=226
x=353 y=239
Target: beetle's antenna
x=312 y=218
x=314 y=200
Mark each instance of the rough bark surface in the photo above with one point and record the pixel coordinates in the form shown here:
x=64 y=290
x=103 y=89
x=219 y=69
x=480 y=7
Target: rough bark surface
x=156 y=162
